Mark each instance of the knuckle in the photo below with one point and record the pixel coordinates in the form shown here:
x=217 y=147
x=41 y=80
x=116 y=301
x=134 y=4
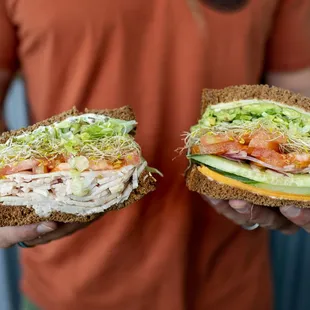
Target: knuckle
x=26 y=235
x=242 y=222
x=222 y=208
x=270 y=224
x=264 y=218
x=303 y=219
x=277 y=223
x=238 y=219
x=9 y=236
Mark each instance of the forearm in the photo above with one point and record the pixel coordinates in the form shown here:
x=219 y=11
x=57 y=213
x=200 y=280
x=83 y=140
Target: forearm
x=297 y=81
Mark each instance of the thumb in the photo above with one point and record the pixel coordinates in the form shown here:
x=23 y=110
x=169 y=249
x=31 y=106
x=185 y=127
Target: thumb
x=11 y=235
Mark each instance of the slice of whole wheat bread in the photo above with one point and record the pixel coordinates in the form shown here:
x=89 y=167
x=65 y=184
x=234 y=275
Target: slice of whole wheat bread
x=21 y=215
x=198 y=182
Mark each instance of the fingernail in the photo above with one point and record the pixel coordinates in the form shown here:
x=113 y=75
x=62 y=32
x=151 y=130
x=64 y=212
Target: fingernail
x=291 y=211
x=240 y=206
x=45 y=228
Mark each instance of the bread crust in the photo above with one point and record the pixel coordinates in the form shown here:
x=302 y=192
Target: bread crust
x=22 y=215
x=198 y=182
x=242 y=92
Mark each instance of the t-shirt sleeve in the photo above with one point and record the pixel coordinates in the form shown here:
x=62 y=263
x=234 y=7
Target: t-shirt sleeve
x=289 y=44
x=8 y=40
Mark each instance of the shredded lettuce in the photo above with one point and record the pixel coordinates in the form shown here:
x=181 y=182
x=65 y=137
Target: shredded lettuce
x=91 y=136
x=239 y=119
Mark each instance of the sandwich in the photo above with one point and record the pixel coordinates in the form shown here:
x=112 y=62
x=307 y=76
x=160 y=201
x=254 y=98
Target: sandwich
x=72 y=167
x=252 y=143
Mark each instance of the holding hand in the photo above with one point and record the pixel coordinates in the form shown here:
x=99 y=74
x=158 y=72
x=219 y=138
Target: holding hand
x=286 y=219
x=36 y=234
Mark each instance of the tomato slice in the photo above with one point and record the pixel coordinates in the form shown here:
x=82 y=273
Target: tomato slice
x=217 y=144
x=61 y=167
x=214 y=138
x=245 y=138
x=222 y=148
x=299 y=160
x=270 y=157
x=195 y=149
x=53 y=163
x=133 y=159
x=24 y=165
x=100 y=165
x=265 y=140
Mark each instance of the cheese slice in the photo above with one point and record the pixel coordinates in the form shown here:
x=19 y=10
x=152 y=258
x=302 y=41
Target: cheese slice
x=210 y=174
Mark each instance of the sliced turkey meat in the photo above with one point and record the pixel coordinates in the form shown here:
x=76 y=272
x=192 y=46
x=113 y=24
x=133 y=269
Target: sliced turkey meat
x=83 y=194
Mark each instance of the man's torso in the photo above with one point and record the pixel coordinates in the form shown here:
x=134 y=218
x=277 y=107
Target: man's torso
x=170 y=251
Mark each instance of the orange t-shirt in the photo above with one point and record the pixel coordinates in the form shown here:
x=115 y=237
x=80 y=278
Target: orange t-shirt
x=169 y=251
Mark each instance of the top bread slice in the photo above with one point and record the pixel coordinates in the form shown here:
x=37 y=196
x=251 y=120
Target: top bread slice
x=198 y=182
x=21 y=215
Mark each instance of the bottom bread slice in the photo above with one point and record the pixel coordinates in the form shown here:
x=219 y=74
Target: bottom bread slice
x=21 y=215
x=200 y=183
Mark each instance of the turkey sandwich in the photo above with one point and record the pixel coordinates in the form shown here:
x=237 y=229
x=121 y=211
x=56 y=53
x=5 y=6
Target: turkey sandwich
x=71 y=168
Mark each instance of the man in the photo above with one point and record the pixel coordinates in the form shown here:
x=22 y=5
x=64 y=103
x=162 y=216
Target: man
x=171 y=250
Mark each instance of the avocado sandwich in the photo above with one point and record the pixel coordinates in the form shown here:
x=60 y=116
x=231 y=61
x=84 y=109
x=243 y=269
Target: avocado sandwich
x=252 y=143
x=71 y=168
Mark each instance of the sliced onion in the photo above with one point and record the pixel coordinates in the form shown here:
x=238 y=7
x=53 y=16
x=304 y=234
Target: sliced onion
x=232 y=158
x=262 y=163
x=239 y=157
x=289 y=168
x=305 y=170
x=235 y=156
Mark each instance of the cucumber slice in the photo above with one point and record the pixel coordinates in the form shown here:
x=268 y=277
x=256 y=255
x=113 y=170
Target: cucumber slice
x=244 y=170
x=284 y=189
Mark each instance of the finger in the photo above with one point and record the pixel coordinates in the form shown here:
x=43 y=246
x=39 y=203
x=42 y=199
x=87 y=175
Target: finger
x=11 y=235
x=263 y=216
x=62 y=231
x=244 y=213
x=300 y=217
x=222 y=207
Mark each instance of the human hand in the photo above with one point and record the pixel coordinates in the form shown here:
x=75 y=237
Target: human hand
x=36 y=234
x=286 y=219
